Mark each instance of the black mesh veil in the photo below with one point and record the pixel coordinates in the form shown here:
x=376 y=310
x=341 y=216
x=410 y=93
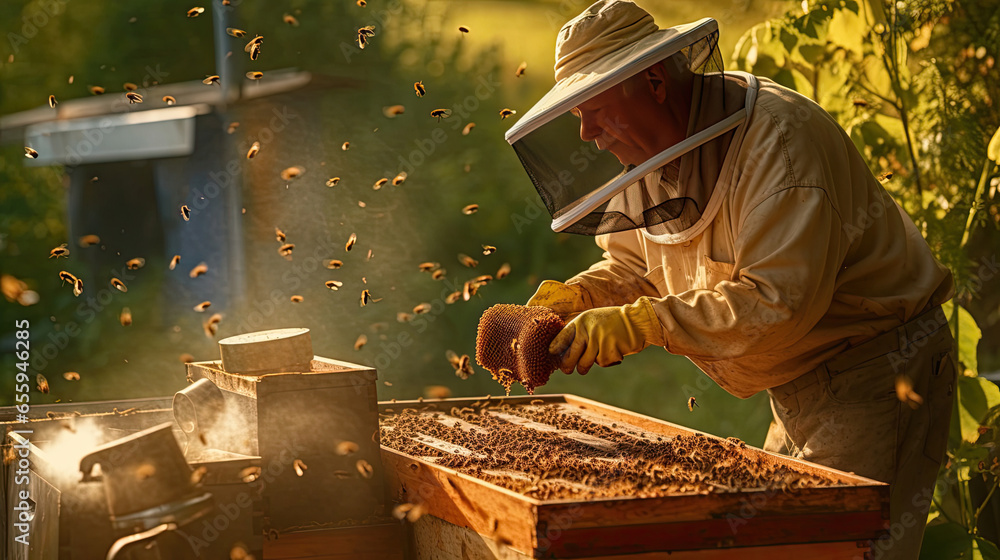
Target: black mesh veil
x=588 y=190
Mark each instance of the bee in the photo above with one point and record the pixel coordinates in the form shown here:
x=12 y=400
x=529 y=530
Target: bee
x=489 y=249
x=361 y=341
x=186 y=358
x=469 y=289
x=692 y=403
x=136 y=263
x=437 y=392
x=52 y=101
x=364 y=468
x=279 y=235
x=422 y=308
x=232 y=127
x=520 y=69
x=514 y=346
x=362 y=3
x=133 y=97
x=470 y=209
x=334 y=284
x=906 y=394
x=254 y=148
x=427 y=266
x=43 y=384
x=211 y=80
x=332 y=181
x=254 y=51
x=197 y=271
x=858 y=102
x=201 y=307
x=482 y=280
x=380 y=183
x=400 y=512
x=256 y=41
x=441 y=114
x=346 y=448
x=404 y=317
x=129 y=86
x=254 y=75
x=296 y=299
x=463 y=29
x=300 y=467
x=71 y=376
x=195 y=12
x=169 y=100
x=185 y=212
x=364 y=34
x=468 y=261
x=286 y=249
x=77 y=287
x=398 y=179
x=351 y=241
x=174 y=261
x=468 y=128
x=125 y=317
x=419 y=88
x=211 y=326
x=438 y=274
x=393 y=111
x=368 y=257
x=250 y=474
x=290 y=20
x=119 y=285
x=453 y=297
x=30 y=153
x=198 y=474
x=60 y=251
x=504 y=113
x=334 y=264
x=67 y=277
x=88 y=240
x=366 y=298
x=884 y=177
x=345 y=146
x=234 y=32
x=96 y=90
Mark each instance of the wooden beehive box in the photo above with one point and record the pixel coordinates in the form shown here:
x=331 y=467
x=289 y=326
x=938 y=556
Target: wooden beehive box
x=843 y=514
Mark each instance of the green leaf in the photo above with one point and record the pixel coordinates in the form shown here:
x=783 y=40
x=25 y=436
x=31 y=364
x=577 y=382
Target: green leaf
x=968 y=336
x=993 y=150
x=788 y=38
x=976 y=396
x=985 y=549
x=946 y=541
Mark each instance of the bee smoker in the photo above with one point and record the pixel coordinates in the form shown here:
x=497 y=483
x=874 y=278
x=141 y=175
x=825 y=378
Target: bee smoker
x=150 y=493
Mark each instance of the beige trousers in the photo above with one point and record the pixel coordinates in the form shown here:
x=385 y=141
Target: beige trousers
x=846 y=415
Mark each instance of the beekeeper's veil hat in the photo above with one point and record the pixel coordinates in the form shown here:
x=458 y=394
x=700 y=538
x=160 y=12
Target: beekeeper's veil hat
x=589 y=191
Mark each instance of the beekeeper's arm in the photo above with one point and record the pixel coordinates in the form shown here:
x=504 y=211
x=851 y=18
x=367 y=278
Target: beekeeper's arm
x=613 y=281
x=787 y=257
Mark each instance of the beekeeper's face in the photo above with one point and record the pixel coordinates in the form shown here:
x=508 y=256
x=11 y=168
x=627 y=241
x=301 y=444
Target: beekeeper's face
x=638 y=118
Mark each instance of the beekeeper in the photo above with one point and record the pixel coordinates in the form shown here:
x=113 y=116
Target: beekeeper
x=742 y=229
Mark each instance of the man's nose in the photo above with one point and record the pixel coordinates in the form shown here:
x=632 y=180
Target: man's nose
x=589 y=129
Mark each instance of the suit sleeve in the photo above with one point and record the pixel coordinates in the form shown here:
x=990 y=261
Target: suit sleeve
x=618 y=279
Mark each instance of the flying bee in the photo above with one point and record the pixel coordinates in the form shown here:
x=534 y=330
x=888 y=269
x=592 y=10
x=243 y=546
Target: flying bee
x=174 y=261
x=136 y=263
x=60 y=251
x=290 y=173
x=30 y=153
x=453 y=297
x=364 y=468
x=366 y=298
x=185 y=212
x=186 y=358
x=427 y=266
x=438 y=274
x=257 y=40
x=77 y=287
x=884 y=177
x=468 y=261
x=211 y=80
x=520 y=69
x=905 y=392
x=298 y=465
x=88 y=240
x=422 y=308
x=201 y=307
x=198 y=474
x=364 y=34
x=351 y=241
x=254 y=148
x=129 y=86
x=858 y=102
x=361 y=341
x=133 y=97
x=96 y=90
x=71 y=376
x=232 y=127
x=254 y=51
x=255 y=75
x=296 y=299
x=119 y=285
x=345 y=146
x=441 y=114
x=195 y=12
x=334 y=284
x=469 y=289
x=362 y=3
x=290 y=20
x=398 y=179
x=250 y=474
x=692 y=403
x=43 y=384
x=380 y=183
x=368 y=257
x=489 y=249
x=346 y=448
x=482 y=280
x=279 y=235
x=419 y=88
x=332 y=181
x=52 y=101
x=470 y=209
x=67 y=277
x=169 y=100
x=334 y=264
x=197 y=271
x=393 y=111
x=452 y=358
x=403 y=317
x=514 y=346
x=125 y=317
x=211 y=326
x=234 y=32
x=468 y=128
x=504 y=113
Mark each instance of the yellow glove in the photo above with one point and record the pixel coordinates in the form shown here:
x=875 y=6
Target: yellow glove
x=605 y=335
x=566 y=300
